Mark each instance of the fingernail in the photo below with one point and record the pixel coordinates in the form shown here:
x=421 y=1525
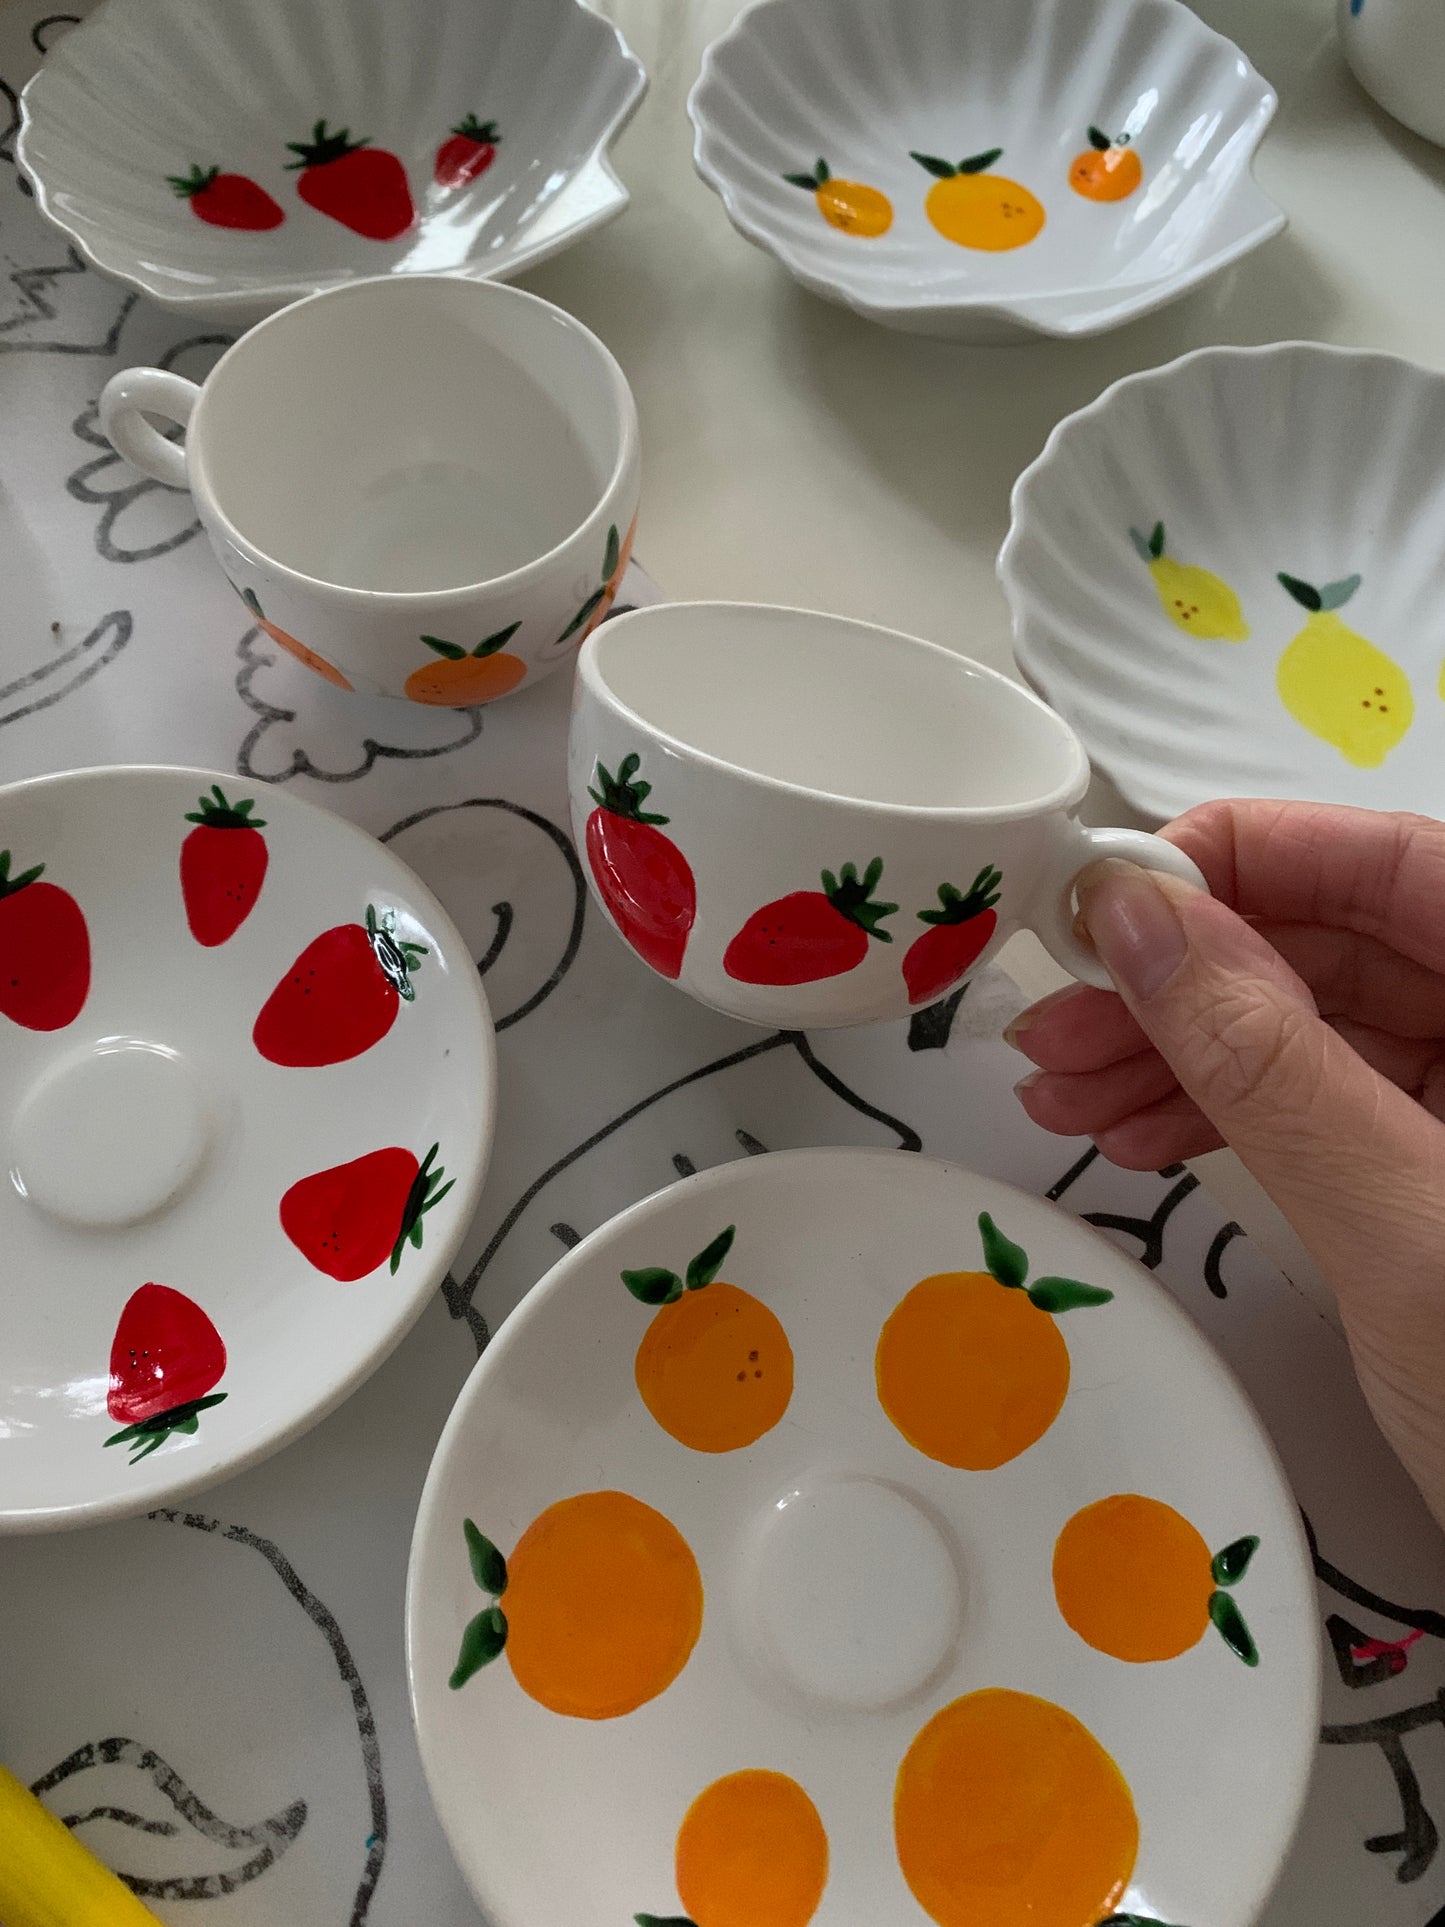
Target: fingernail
x=1133 y=926
x=1016 y=1029
x=1027 y=1083
x=1026 y=1019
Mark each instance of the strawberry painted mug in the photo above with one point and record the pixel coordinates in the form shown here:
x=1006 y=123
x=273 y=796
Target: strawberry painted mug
x=421 y=486
x=806 y=821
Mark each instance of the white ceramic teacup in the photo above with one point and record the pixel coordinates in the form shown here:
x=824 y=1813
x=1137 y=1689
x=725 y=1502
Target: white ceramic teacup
x=806 y=821
x=422 y=486
x=1396 y=49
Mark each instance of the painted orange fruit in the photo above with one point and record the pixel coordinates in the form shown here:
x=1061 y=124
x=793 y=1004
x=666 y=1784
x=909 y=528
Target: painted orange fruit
x=615 y=558
x=1135 y=1580
x=971 y=1366
x=600 y=1606
x=850 y=206
x=976 y=209
x=462 y=678
x=1007 y=1812
x=752 y=1852
x=1107 y=170
x=289 y=643
x=714 y=1368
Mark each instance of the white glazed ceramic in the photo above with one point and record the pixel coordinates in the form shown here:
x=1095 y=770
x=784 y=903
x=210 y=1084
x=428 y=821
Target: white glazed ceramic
x=423 y=488
x=852 y=1587
x=863 y=90
x=148 y=94
x=1396 y=49
x=147 y=1143
x=1326 y=465
x=806 y=821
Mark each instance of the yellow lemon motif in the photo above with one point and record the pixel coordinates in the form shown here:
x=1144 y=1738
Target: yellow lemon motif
x=1341 y=687
x=1194 y=599
x=976 y=209
x=850 y=206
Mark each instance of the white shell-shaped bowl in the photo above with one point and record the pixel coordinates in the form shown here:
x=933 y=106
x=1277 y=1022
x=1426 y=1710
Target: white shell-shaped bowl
x=865 y=87
x=145 y=90
x=1322 y=464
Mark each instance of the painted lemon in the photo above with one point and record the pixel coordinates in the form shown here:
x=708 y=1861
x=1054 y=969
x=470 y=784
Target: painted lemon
x=1007 y=1812
x=600 y=1606
x=1107 y=170
x=971 y=1366
x=976 y=209
x=1135 y=1580
x=1194 y=599
x=1339 y=686
x=715 y=1368
x=850 y=206
x=751 y=1852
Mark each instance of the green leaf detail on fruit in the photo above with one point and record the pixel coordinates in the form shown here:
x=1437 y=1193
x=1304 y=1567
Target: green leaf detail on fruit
x=484 y=132
x=1008 y=1264
x=958 y=907
x=662 y=1920
x=709 y=1261
x=489 y=1568
x=946 y=170
x=216 y=813
x=1132 y=1920
x=1331 y=595
x=1227 y=1568
x=150 y=1434
x=1151 y=546
x=196 y=182
x=485 y=1635
x=655 y=1285
x=612 y=554
x=1230 y=1624
x=9 y=884
x=419 y=1200
x=820 y=177
x=620 y=795
x=324 y=147
x=488 y=646
x=396 y=960
x=852 y=897
x=1099 y=140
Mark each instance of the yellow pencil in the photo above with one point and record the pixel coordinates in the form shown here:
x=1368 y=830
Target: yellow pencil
x=48 y=1879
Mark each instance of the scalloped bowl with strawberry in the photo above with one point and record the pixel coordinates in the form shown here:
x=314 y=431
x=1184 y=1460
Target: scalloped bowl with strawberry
x=247 y=1085
x=226 y=157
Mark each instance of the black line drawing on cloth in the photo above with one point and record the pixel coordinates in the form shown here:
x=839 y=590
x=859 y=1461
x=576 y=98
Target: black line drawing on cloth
x=259 y=656
x=41 y=39
x=38 y=305
x=31 y=692
x=10 y=130
x=1223 y=1239
x=459 y=1293
x=503 y=910
x=265 y=1842
x=129 y=487
x=324 y=1621
x=1149 y=1231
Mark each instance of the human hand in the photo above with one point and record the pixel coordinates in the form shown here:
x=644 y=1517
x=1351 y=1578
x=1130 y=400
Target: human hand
x=1297 y=1015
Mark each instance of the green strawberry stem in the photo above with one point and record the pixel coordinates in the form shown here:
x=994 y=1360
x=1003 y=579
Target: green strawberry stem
x=397 y=960
x=484 y=132
x=946 y=170
x=620 y=795
x=852 y=897
x=196 y=182
x=150 y=1434
x=324 y=147
x=9 y=884
x=1008 y=1264
x=419 y=1200
x=218 y=814
x=983 y=894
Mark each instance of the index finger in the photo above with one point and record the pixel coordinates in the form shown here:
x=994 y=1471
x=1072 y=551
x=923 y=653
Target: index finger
x=1376 y=872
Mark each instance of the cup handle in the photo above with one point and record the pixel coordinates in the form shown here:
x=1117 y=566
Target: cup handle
x=1051 y=915
x=127 y=399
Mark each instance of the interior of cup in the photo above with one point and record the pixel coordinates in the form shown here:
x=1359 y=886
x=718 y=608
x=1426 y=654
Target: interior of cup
x=821 y=703
x=411 y=434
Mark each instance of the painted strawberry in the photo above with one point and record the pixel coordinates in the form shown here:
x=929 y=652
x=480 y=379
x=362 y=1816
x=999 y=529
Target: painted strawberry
x=811 y=934
x=361 y=186
x=165 y=1357
x=340 y=996
x=227 y=200
x=959 y=930
x=223 y=865
x=469 y=152
x=347 y=1220
x=44 y=951
x=644 y=879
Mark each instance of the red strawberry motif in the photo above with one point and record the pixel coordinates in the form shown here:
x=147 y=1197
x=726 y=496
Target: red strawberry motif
x=469 y=152
x=164 y=1359
x=960 y=930
x=44 y=951
x=345 y=1221
x=227 y=200
x=340 y=996
x=361 y=186
x=811 y=934
x=643 y=878
x=223 y=865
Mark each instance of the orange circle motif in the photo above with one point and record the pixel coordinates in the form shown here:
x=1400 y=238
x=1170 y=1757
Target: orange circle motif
x=752 y=1852
x=1133 y=1578
x=1008 y=1813
x=1110 y=174
x=715 y=1368
x=466 y=682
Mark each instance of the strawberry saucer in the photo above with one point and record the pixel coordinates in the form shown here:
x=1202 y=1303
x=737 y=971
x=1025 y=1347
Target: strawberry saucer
x=248 y=1090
